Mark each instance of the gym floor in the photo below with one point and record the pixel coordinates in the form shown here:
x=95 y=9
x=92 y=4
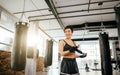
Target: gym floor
x=82 y=72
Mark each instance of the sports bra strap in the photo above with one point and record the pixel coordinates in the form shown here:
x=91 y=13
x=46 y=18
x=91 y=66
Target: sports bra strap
x=74 y=43
x=65 y=41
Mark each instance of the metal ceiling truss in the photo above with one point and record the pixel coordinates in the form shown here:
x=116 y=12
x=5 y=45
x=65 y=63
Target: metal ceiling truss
x=71 y=12
x=95 y=25
x=92 y=39
x=89 y=5
x=54 y=11
x=7 y=29
x=73 y=16
x=5 y=44
x=66 y=6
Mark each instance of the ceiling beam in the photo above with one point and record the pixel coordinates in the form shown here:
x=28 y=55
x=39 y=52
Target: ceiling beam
x=89 y=5
x=95 y=25
x=71 y=12
x=65 y=6
x=73 y=16
x=5 y=44
x=92 y=39
x=31 y=11
x=2 y=9
x=54 y=11
x=7 y=29
x=47 y=34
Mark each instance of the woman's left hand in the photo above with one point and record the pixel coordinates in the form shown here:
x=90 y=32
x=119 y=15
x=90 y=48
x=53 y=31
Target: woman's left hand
x=83 y=56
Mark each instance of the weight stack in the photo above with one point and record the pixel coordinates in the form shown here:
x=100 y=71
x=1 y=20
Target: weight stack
x=105 y=54
x=18 y=57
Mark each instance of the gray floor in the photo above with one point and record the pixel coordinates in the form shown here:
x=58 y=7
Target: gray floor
x=82 y=72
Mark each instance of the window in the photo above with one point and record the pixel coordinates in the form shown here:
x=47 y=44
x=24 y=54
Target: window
x=7 y=29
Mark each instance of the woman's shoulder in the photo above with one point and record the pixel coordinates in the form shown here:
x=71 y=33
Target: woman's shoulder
x=62 y=41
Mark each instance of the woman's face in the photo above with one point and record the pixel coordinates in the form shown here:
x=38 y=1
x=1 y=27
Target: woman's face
x=68 y=33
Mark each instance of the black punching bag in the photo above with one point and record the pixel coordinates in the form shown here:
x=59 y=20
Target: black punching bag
x=18 y=57
x=49 y=53
x=105 y=54
x=117 y=11
x=31 y=52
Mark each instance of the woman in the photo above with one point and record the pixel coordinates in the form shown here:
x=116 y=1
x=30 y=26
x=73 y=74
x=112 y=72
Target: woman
x=67 y=49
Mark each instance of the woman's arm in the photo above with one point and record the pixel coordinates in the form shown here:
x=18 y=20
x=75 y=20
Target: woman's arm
x=81 y=56
x=63 y=53
x=76 y=48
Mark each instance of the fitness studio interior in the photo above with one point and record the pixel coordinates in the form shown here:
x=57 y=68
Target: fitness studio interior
x=32 y=34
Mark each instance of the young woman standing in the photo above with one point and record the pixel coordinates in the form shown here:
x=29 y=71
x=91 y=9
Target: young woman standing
x=67 y=49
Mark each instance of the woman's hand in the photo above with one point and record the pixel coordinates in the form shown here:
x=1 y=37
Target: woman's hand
x=83 y=55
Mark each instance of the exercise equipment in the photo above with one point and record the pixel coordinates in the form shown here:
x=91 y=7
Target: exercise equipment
x=105 y=54
x=86 y=67
x=117 y=11
x=31 y=52
x=49 y=53
x=37 y=56
x=18 y=57
x=117 y=55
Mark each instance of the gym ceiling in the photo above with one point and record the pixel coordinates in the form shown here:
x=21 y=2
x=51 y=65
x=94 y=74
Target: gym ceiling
x=88 y=17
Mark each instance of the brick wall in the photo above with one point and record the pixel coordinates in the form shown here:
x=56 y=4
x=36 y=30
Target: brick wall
x=5 y=64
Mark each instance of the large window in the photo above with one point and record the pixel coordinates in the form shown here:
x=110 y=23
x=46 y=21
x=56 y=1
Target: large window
x=91 y=48
x=93 y=54
x=7 y=29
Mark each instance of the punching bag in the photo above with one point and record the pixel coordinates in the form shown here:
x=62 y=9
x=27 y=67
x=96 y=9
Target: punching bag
x=31 y=52
x=49 y=53
x=117 y=12
x=105 y=54
x=18 y=57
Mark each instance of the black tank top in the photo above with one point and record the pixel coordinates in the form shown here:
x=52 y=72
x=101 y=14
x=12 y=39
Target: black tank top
x=67 y=46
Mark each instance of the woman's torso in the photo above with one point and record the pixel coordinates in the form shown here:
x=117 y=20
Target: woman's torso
x=67 y=45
